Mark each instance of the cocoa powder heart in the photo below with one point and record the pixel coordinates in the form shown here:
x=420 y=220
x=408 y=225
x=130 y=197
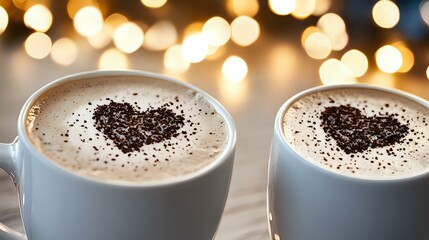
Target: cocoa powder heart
x=355 y=132
x=131 y=129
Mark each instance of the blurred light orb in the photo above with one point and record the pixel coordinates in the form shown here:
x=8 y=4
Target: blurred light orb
x=282 y=7
x=303 y=8
x=88 y=21
x=194 y=48
x=322 y=6
x=243 y=7
x=385 y=14
x=317 y=45
x=427 y=72
x=73 y=6
x=64 y=51
x=114 y=21
x=38 y=17
x=339 y=42
x=174 y=61
x=354 y=63
x=407 y=57
x=113 y=59
x=154 y=3
x=244 y=30
x=307 y=32
x=331 y=72
x=388 y=59
x=160 y=36
x=234 y=69
x=100 y=39
x=332 y=25
x=128 y=37
x=4 y=19
x=193 y=29
x=38 y=45
x=424 y=12
x=216 y=31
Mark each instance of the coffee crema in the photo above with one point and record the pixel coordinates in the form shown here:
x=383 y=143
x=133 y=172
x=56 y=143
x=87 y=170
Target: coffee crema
x=360 y=132
x=126 y=128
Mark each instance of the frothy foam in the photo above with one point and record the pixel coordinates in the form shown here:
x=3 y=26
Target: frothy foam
x=126 y=128
x=360 y=132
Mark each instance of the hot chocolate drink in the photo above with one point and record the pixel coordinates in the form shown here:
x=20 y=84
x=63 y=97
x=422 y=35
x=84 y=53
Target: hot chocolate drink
x=360 y=132
x=126 y=128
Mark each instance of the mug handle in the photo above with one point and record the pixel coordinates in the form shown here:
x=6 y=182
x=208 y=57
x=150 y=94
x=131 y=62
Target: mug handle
x=7 y=163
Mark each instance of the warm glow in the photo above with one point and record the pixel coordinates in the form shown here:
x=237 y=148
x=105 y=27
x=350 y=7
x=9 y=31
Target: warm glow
x=174 y=61
x=332 y=25
x=38 y=45
x=100 y=39
x=128 y=37
x=317 y=45
x=282 y=64
x=38 y=17
x=114 y=21
x=194 y=48
x=154 y=3
x=355 y=63
x=244 y=30
x=64 y=51
x=216 y=31
x=339 y=42
x=322 y=6
x=282 y=7
x=73 y=6
x=385 y=13
x=193 y=28
x=234 y=69
x=407 y=57
x=4 y=19
x=303 y=8
x=88 y=21
x=20 y=4
x=160 y=36
x=233 y=94
x=243 y=7
x=113 y=59
x=388 y=59
x=331 y=72
x=307 y=32
x=424 y=12
x=427 y=72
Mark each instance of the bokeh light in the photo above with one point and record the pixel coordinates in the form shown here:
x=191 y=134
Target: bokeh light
x=4 y=19
x=113 y=59
x=174 y=61
x=424 y=12
x=113 y=21
x=331 y=72
x=407 y=57
x=38 y=45
x=160 y=36
x=332 y=25
x=73 y=6
x=388 y=59
x=303 y=8
x=154 y=3
x=64 y=51
x=100 y=39
x=88 y=21
x=317 y=45
x=38 y=17
x=242 y=7
x=385 y=13
x=427 y=72
x=355 y=63
x=128 y=37
x=194 y=48
x=282 y=7
x=234 y=69
x=216 y=31
x=307 y=32
x=193 y=28
x=244 y=30
x=322 y=6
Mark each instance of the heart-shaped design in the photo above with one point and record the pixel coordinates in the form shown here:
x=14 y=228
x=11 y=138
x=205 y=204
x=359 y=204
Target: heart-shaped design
x=355 y=133
x=131 y=129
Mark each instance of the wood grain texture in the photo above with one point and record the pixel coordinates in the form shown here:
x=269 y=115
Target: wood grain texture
x=253 y=104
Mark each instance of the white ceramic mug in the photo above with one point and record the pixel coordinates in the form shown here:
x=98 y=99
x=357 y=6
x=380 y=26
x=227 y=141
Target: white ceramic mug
x=58 y=204
x=306 y=202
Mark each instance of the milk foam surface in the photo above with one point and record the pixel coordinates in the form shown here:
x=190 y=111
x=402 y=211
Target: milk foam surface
x=302 y=128
x=60 y=124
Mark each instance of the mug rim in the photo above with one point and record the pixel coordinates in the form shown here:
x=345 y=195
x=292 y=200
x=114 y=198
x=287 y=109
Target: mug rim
x=227 y=152
x=282 y=111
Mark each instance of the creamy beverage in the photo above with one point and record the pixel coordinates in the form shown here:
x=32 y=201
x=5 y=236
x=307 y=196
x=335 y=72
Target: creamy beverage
x=127 y=128
x=365 y=133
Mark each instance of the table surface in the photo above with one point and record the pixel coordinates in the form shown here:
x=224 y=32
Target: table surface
x=278 y=69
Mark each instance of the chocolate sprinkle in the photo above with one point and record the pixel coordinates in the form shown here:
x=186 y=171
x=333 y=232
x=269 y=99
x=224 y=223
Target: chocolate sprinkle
x=355 y=133
x=130 y=129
